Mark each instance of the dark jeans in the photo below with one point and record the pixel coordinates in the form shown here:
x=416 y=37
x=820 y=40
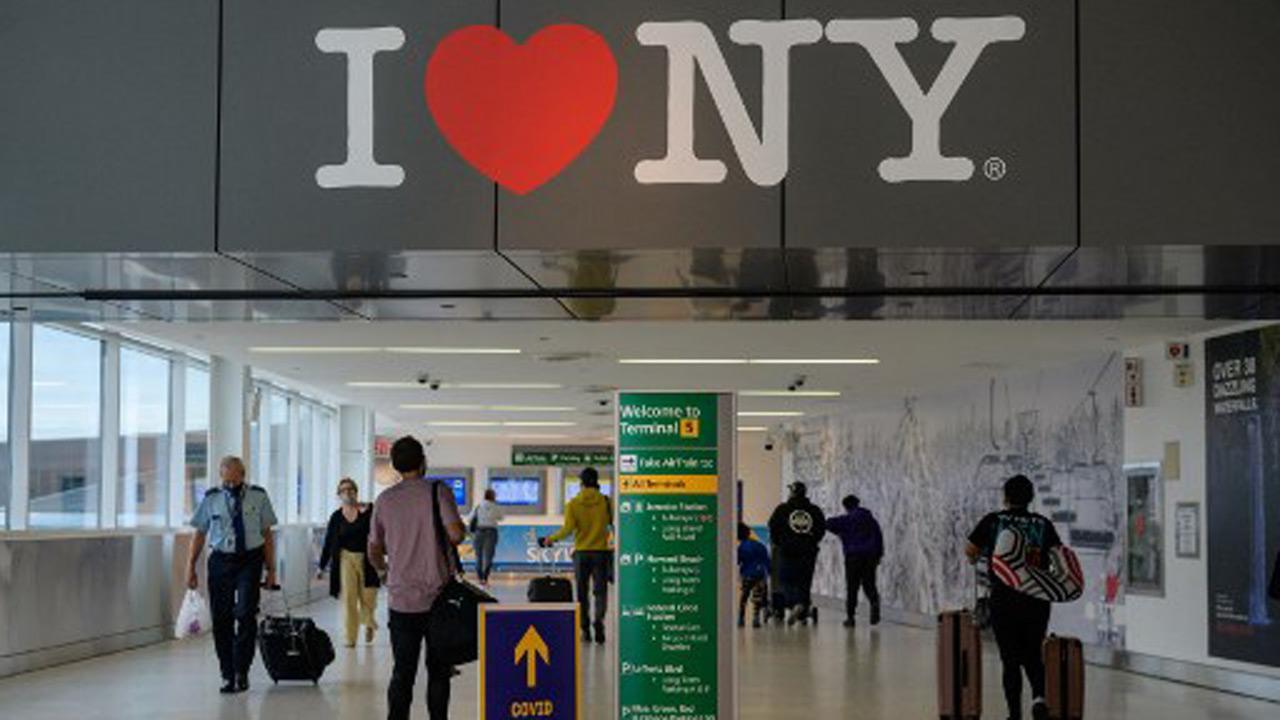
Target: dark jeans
x=797 y=578
x=591 y=575
x=486 y=543
x=408 y=635
x=755 y=591
x=1020 y=624
x=860 y=573
x=234 y=586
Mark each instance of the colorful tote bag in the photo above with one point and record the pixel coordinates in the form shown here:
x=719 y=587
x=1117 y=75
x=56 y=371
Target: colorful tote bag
x=1019 y=565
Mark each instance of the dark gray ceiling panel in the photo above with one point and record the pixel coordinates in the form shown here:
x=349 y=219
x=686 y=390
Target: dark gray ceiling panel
x=108 y=125
x=1012 y=118
x=596 y=202
x=1180 y=116
x=285 y=116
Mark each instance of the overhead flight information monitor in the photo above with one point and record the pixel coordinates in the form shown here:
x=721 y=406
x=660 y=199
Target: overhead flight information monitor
x=518 y=490
x=460 y=480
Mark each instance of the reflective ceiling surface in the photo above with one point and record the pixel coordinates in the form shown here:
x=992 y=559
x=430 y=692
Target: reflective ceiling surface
x=703 y=284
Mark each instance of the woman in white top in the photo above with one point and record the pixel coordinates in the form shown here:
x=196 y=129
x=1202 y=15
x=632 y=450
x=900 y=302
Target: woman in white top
x=484 y=526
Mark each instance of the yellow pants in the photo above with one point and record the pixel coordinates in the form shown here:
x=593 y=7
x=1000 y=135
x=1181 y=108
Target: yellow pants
x=358 y=601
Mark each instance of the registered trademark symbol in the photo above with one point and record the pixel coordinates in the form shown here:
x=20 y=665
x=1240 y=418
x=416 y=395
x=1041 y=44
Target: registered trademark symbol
x=994 y=168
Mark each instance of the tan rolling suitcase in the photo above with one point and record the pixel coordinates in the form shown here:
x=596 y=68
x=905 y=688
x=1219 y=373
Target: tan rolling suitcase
x=1064 y=677
x=959 y=667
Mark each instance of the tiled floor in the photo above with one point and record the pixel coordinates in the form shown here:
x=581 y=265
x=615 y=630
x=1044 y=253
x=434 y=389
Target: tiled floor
x=827 y=672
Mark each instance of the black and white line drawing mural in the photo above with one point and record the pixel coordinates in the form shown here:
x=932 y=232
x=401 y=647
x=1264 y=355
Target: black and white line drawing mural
x=932 y=466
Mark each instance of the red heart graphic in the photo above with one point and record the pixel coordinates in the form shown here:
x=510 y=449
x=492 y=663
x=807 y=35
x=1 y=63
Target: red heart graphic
x=521 y=113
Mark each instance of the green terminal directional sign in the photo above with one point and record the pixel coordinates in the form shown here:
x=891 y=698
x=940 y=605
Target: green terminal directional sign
x=674 y=658
x=550 y=456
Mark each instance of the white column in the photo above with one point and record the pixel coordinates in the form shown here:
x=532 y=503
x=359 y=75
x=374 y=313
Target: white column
x=20 y=423
x=177 y=489
x=355 y=438
x=109 y=478
x=228 y=417
x=293 y=462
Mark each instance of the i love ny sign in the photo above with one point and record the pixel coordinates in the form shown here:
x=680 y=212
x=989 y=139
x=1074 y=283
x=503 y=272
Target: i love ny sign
x=521 y=112
x=637 y=124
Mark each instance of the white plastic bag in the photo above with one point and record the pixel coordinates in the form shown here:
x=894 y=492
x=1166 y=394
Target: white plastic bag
x=193 y=617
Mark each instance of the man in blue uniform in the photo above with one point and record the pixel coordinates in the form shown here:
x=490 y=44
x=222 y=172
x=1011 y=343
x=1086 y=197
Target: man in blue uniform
x=236 y=521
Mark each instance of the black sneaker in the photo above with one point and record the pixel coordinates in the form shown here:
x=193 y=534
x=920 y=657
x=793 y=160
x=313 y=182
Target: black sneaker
x=586 y=635
x=875 y=615
x=1040 y=710
x=242 y=683
x=228 y=687
x=850 y=623
x=599 y=633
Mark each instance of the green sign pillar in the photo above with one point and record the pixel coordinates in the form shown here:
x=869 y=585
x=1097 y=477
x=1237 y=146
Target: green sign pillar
x=675 y=553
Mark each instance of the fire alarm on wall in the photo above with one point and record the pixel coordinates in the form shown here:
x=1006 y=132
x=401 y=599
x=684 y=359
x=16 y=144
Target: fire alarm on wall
x=1177 y=351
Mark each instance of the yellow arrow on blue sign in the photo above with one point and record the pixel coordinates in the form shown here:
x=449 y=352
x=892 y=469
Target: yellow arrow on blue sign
x=530 y=648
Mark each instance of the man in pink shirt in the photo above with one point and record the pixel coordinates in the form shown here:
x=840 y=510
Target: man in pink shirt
x=405 y=543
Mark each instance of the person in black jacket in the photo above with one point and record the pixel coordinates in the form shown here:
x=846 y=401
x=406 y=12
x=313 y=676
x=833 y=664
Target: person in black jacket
x=346 y=544
x=796 y=529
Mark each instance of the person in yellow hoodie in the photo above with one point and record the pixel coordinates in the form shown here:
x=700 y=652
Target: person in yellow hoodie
x=588 y=518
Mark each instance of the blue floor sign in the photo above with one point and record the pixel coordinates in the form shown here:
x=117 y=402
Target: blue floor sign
x=529 y=664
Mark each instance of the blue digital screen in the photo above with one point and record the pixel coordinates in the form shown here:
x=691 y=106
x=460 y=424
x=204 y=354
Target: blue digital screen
x=516 y=490
x=459 y=485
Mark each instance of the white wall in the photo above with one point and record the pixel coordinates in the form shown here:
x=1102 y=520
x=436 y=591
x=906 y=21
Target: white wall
x=1176 y=625
x=761 y=473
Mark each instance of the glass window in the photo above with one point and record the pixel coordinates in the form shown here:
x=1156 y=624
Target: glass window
x=4 y=426
x=326 y=471
x=66 y=429
x=144 y=439
x=306 y=461
x=277 y=480
x=196 y=429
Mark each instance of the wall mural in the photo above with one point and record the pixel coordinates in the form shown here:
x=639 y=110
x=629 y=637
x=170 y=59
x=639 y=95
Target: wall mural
x=931 y=467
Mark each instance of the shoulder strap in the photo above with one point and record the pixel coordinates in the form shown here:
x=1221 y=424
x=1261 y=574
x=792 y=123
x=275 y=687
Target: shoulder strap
x=451 y=559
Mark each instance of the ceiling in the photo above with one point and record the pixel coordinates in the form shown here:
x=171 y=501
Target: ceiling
x=583 y=359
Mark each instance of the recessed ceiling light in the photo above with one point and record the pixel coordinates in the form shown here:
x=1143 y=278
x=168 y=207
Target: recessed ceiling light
x=501 y=386
x=770 y=413
x=488 y=408
x=401 y=384
x=752 y=428
x=682 y=361
x=502 y=436
x=748 y=361
x=409 y=350
x=815 y=361
x=790 y=393
x=312 y=350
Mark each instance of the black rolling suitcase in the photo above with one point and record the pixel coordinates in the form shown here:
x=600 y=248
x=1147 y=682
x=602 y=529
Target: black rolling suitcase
x=293 y=648
x=549 y=588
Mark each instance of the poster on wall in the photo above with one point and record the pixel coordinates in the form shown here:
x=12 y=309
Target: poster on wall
x=1242 y=498
x=1144 y=551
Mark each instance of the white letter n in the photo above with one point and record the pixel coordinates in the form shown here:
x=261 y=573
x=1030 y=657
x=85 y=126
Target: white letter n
x=881 y=38
x=690 y=44
x=359 y=45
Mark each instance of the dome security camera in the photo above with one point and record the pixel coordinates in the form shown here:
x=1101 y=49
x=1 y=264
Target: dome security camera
x=423 y=379
x=434 y=384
